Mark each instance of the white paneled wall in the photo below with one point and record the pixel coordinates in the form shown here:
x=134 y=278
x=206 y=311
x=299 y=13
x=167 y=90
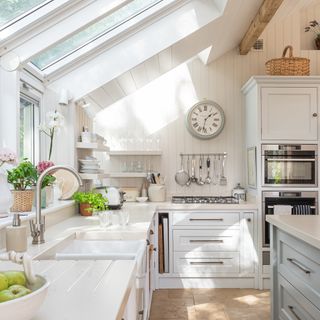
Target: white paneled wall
x=159 y=108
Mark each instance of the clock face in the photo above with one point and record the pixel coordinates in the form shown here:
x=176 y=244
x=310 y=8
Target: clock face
x=205 y=119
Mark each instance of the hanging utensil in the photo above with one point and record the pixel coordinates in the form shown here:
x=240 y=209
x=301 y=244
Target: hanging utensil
x=200 y=180
x=193 y=173
x=208 y=179
x=188 y=171
x=223 y=180
x=181 y=176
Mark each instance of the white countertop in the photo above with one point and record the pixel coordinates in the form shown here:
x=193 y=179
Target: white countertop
x=306 y=228
x=84 y=290
x=92 y=289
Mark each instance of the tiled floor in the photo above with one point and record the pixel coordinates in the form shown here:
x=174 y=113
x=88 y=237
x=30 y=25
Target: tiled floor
x=210 y=304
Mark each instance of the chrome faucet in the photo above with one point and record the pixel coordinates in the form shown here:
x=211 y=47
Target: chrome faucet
x=37 y=226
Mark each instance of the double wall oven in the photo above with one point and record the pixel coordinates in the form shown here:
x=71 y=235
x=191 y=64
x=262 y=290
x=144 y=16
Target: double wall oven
x=288 y=171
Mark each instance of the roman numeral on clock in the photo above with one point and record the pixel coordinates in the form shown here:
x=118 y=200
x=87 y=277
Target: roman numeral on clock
x=195 y=125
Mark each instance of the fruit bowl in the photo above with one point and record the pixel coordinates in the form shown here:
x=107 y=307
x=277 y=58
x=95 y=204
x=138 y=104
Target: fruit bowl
x=25 y=308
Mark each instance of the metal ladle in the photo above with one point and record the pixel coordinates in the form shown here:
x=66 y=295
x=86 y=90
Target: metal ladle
x=208 y=179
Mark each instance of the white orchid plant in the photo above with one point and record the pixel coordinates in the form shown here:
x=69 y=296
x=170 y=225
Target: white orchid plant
x=55 y=121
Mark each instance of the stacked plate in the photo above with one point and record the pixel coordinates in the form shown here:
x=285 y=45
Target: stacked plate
x=89 y=165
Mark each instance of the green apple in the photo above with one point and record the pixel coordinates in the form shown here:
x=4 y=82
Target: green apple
x=15 y=277
x=6 y=295
x=3 y=282
x=13 y=292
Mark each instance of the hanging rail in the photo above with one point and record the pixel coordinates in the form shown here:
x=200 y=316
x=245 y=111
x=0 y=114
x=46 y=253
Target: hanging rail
x=224 y=154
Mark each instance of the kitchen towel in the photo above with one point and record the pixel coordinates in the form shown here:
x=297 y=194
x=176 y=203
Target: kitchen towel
x=282 y=210
x=301 y=209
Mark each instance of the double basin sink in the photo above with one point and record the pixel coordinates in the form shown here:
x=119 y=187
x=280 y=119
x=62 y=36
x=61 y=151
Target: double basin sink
x=95 y=246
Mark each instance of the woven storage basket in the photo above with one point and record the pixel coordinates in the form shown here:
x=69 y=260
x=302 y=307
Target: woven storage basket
x=292 y=66
x=22 y=200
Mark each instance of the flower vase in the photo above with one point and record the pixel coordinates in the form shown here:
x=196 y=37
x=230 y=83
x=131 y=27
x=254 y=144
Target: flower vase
x=6 y=199
x=43 y=198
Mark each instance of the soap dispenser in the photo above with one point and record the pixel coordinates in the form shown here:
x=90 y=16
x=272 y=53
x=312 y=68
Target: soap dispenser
x=16 y=235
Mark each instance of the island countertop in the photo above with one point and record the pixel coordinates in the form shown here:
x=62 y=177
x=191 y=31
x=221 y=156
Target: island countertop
x=306 y=228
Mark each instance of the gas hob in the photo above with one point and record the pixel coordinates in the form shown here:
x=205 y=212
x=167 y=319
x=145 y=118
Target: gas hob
x=204 y=199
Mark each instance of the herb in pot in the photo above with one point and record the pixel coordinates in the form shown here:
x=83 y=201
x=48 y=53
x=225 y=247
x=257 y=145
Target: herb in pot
x=90 y=202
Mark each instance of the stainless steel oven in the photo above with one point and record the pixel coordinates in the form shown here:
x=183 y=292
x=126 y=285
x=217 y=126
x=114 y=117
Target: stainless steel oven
x=286 y=203
x=290 y=165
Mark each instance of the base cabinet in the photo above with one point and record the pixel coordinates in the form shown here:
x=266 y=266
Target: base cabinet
x=218 y=247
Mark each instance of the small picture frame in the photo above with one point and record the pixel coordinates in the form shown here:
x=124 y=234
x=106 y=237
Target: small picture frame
x=252 y=167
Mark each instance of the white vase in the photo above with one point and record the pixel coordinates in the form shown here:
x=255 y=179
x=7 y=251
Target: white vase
x=6 y=199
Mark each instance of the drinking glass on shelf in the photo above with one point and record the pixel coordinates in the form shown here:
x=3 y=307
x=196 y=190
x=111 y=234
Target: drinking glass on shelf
x=139 y=166
x=124 y=166
x=156 y=143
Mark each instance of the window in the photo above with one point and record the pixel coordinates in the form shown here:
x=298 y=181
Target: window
x=92 y=32
x=13 y=9
x=29 y=123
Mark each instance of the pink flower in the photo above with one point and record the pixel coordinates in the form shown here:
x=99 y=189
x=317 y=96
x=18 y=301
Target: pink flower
x=7 y=156
x=43 y=165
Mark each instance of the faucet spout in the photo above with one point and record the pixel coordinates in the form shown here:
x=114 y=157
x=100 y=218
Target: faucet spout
x=37 y=226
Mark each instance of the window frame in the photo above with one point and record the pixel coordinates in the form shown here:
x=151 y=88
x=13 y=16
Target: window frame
x=32 y=95
x=32 y=18
x=112 y=37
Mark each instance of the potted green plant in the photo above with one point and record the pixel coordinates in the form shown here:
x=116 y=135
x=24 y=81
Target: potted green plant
x=315 y=28
x=23 y=178
x=90 y=202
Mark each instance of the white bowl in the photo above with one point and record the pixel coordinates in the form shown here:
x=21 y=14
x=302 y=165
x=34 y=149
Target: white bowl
x=141 y=199
x=26 y=307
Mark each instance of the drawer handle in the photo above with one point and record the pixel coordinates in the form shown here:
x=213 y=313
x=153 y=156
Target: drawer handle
x=294 y=313
x=213 y=240
x=212 y=219
x=299 y=265
x=206 y=262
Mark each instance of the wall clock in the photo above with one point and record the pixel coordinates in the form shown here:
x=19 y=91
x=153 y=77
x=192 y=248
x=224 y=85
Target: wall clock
x=205 y=119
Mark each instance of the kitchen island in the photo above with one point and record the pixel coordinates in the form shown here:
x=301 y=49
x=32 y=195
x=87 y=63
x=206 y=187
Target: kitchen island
x=295 y=261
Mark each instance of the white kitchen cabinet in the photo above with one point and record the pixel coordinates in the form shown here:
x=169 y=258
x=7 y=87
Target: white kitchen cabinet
x=289 y=113
x=215 y=248
x=281 y=108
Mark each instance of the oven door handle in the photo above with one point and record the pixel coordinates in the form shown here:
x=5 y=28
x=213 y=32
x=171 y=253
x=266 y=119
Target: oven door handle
x=290 y=160
x=272 y=207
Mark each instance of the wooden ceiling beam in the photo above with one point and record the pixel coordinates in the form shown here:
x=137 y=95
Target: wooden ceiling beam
x=266 y=11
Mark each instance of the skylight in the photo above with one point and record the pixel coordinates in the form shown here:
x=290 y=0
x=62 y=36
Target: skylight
x=13 y=9
x=92 y=32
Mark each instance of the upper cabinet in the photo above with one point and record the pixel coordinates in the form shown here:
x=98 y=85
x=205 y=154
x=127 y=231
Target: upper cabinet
x=289 y=113
x=282 y=108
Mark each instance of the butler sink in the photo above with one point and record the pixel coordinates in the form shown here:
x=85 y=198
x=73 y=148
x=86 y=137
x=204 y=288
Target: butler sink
x=77 y=247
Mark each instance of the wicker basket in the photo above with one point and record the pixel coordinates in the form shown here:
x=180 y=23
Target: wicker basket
x=292 y=66
x=22 y=200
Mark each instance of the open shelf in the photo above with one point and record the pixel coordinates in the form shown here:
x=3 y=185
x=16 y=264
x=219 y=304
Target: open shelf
x=136 y=153
x=128 y=175
x=95 y=146
x=93 y=176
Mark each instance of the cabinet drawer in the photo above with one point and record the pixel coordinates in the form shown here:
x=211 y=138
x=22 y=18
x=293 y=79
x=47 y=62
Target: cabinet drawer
x=206 y=240
x=199 y=263
x=206 y=219
x=299 y=263
x=293 y=305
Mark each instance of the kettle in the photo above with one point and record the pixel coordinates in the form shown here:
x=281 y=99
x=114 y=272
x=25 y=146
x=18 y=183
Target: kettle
x=114 y=196
x=239 y=193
